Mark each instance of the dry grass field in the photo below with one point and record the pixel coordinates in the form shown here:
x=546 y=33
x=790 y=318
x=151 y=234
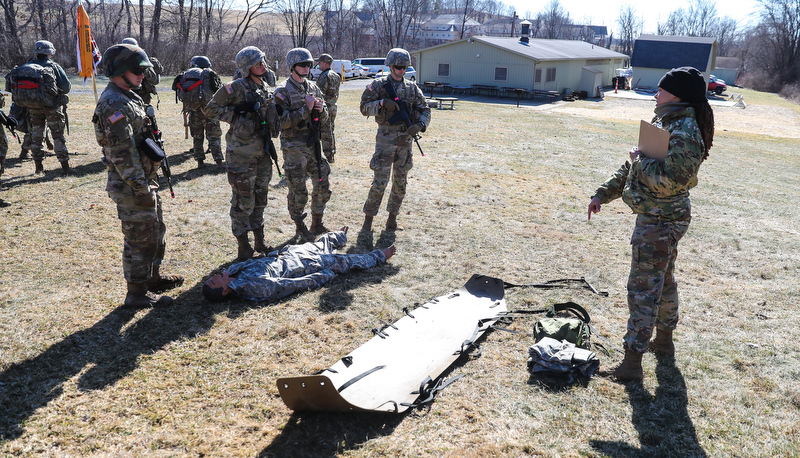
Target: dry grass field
x=501 y=191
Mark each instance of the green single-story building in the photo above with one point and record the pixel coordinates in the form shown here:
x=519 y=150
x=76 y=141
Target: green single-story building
x=531 y=64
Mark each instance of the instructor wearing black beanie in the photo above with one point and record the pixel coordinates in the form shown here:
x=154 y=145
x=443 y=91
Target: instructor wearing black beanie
x=685 y=82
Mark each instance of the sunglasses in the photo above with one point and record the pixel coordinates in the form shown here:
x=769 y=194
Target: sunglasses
x=399 y=67
x=304 y=64
x=137 y=71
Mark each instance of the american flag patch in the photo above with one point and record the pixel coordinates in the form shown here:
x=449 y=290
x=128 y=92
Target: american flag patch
x=228 y=89
x=116 y=117
x=280 y=96
x=369 y=86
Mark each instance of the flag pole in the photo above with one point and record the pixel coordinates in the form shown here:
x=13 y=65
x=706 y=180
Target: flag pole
x=94 y=86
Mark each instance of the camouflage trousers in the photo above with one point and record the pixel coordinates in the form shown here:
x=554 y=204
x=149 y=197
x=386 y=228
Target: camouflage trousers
x=142 y=227
x=201 y=125
x=3 y=144
x=249 y=177
x=54 y=119
x=652 y=291
x=327 y=135
x=393 y=157
x=299 y=164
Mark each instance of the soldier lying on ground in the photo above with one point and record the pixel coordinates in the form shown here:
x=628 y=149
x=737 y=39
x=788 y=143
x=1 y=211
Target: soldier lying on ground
x=294 y=268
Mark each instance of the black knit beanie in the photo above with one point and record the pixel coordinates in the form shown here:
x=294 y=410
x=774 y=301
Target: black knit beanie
x=685 y=82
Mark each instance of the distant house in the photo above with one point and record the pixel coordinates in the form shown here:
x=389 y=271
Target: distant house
x=654 y=55
x=446 y=27
x=552 y=65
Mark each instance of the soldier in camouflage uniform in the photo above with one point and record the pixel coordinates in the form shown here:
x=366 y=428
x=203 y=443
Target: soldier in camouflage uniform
x=152 y=76
x=200 y=124
x=295 y=268
x=299 y=102
x=53 y=118
x=329 y=82
x=658 y=192
x=247 y=105
x=4 y=139
x=393 y=154
x=120 y=124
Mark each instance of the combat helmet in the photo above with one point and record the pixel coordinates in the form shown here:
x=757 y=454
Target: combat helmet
x=200 y=62
x=44 y=47
x=121 y=58
x=326 y=58
x=130 y=41
x=298 y=55
x=398 y=57
x=246 y=58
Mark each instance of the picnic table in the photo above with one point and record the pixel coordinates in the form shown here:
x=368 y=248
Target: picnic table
x=443 y=100
x=431 y=85
x=490 y=90
x=552 y=96
x=518 y=91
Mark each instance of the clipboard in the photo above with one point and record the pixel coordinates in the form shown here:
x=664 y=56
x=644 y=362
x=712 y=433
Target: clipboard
x=653 y=141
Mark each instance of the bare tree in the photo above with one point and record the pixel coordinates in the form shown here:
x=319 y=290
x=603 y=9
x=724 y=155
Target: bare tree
x=298 y=17
x=779 y=33
x=630 y=27
x=394 y=20
x=246 y=19
x=554 y=21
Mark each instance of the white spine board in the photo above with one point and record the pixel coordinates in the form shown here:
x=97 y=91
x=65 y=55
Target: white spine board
x=387 y=371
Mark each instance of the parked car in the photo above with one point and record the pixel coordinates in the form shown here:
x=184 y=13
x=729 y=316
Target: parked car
x=336 y=66
x=716 y=85
x=411 y=74
x=373 y=64
x=359 y=71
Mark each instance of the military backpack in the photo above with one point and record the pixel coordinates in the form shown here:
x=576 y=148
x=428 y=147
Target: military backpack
x=196 y=87
x=152 y=77
x=33 y=86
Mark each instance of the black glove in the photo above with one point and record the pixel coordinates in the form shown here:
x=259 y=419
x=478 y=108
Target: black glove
x=11 y=122
x=245 y=107
x=389 y=104
x=414 y=129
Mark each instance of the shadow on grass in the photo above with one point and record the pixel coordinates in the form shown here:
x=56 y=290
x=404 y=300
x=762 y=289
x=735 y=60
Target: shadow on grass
x=662 y=420
x=52 y=170
x=327 y=434
x=111 y=348
x=324 y=434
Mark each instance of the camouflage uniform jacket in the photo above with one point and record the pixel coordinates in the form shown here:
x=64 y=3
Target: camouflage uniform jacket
x=120 y=122
x=661 y=188
x=295 y=117
x=297 y=268
x=408 y=91
x=329 y=82
x=64 y=86
x=245 y=134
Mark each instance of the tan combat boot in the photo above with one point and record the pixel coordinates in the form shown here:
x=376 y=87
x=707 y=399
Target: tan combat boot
x=245 y=250
x=301 y=229
x=159 y=283
x=391 y=223
x=662 y=345
x=317 y=227
x=629 y=370
x=367 y=226
x=138 y=297
x=258 y=241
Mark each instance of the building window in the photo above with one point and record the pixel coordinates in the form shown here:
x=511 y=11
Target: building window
x=444 y=71
x=538 y=78
x=501 y=73
x=551 y=75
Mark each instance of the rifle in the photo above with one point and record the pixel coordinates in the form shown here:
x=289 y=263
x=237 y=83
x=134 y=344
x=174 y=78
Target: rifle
x=314 y=141
x=402 y=113
x=185 y=125
x=269 y=147
x=156 y=133
x=6 y=121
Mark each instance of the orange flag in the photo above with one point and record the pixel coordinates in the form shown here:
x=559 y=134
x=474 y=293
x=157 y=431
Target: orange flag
x=88 y=52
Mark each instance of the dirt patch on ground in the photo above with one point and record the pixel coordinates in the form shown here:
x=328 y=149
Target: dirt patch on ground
x=758 y=119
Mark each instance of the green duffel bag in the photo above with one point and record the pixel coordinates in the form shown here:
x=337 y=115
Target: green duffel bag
x=574 y=330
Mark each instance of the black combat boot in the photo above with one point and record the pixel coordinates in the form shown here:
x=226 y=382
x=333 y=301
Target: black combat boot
x=367 y=226
x=391 y=223
x=39 y=166
x=65 y=168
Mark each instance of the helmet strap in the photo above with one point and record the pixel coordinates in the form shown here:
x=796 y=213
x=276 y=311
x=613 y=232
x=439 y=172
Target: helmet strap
x=131 y=86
